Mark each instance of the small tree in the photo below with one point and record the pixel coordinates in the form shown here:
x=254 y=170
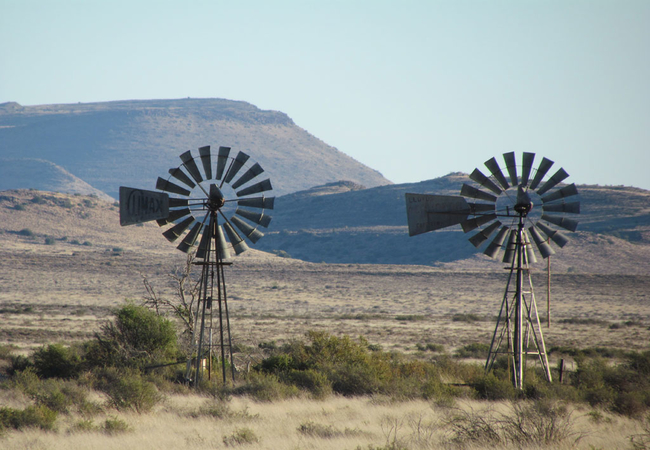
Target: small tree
x=137 y=336
x=182 y=307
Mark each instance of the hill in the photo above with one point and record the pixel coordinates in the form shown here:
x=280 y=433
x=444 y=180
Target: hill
x=369 y=226
x=131 y=143
x=26 y=173
x=345 y=224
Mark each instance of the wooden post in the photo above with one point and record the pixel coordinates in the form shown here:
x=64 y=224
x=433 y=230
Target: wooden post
x=561 y=371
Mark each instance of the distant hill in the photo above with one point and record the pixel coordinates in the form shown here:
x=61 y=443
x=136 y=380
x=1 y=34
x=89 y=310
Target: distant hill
x=26 y=173
x=133 y=142
x=369 y=226
x=348 y=226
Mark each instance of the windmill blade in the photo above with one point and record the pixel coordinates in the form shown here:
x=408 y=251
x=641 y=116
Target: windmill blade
x=484 y=181
x=238 y=244
x=471 y=224
x=570 y=207
x=509 y=254
x=557 y=177
x=511 y=165
x=249 y=175
x=557 y=237
x=190 y=238
x=250 y=232
x=426 y=212
x=174 y=232
x=255 y=188
x=562 y=222
x=180 y=176
x=258 y=218
x=492 y=250
x=526 y=165
x=206 y=159
x=235 y=166
x=190 y=165
x=470 y=191
x=477 y=208
x=566 y=191
x=202 y=251
x=223 y=245
x=178 y=202
x=168 y=186
x=483 y=235
x=544 y=167
x=257 y=202
x=139 y=205
x=541 y=243
x=174 y=215
x=528 y=247
x=495 y=170
x=222 y=159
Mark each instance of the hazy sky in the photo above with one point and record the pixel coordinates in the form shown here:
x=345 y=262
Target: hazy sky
x=414 y=89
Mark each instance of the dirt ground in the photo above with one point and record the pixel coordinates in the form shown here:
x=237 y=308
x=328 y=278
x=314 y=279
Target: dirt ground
x=63 y=292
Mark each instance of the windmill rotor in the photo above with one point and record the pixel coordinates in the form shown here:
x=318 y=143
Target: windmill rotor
x=514 y=208
x=209 y=199
x=231 y=187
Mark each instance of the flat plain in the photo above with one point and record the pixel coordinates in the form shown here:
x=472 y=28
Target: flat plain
x=63 y=277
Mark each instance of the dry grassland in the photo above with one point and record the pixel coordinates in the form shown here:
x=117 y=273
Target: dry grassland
x=338 y=423
x=63 y=292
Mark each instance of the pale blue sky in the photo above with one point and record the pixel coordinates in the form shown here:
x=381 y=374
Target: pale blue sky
x=414 y=89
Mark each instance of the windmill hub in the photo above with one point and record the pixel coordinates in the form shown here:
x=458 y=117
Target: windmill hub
x=524 y=203
x=216 y=199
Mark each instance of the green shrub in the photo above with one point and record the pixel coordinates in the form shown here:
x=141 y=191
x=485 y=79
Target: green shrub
x=26 y=232
x=31 y=417
x=49 y=240
x=468 y=318
x=137 y=337
x=128 y=390
x=475 y=350
x=113 y=426
x=313 y=381
x=318 y=430
x=26 y=381
x=240 y=436
x=265 y=388
x=83 y=426
x=57 y=361
x=491 y=387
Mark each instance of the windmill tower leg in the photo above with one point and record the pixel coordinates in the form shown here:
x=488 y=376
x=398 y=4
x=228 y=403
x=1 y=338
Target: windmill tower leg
x=212 y=269
x=518 y=320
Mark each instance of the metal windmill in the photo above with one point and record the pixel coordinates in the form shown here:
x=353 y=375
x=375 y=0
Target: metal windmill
x=206 y=202
x=508 y=210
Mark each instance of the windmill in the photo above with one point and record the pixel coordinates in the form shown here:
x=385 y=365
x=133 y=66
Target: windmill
x=204 y=202
x=508 y=215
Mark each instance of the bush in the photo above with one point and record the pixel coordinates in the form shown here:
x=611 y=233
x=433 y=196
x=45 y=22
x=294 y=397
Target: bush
x=491 y=387
x=127 y=390
x=240 y=436
x=475 y=350
x=31 y=417
x=114 y=426
x=137 y=337
x=57 y=361
x=265 y=388
x=26 y=232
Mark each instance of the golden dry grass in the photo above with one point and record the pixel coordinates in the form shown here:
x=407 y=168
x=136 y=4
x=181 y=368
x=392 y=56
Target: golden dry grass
x=339 y=423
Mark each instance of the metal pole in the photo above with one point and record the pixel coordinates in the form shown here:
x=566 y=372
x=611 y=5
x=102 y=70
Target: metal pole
x=548 y=292
x=519 y=350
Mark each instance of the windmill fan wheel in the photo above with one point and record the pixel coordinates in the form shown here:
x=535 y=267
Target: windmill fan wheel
x=231 y=189
x=503 y=201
